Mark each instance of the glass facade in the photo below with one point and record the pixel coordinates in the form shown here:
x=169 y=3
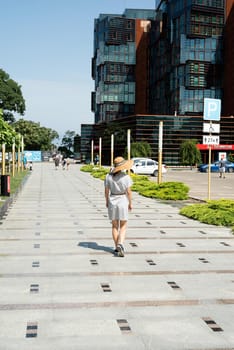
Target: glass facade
x=113 y=64
x=176 y=129
x=172 y=66
x=87 y=134
x=146 y=128
x=229 y=59
x=186 y=56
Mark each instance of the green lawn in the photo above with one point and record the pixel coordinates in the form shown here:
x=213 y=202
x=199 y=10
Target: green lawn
x=15 y=183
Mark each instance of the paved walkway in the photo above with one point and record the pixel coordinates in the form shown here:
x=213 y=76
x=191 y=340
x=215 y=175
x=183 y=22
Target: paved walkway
x=62 y=288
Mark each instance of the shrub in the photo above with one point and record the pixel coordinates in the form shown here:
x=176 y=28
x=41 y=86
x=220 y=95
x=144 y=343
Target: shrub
x=87 y=168
x=100 y=173
x=145 y=187
x=141 y=183
x=165 y=190
x=214 y=212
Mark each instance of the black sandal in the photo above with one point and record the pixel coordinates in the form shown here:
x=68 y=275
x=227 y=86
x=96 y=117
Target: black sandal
x=120 y=250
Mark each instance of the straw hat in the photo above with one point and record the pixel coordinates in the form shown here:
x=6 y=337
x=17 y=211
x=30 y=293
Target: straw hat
x=121 y=164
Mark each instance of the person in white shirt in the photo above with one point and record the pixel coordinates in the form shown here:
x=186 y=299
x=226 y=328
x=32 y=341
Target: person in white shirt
x=118 y=196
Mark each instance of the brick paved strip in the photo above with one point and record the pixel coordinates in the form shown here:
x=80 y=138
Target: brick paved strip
x=127 y=238
x=213 y=349
x=111 y=273
x=140 y=303
x=102 y=252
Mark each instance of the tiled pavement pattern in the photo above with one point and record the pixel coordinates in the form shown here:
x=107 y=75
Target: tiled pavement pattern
x=61 y=288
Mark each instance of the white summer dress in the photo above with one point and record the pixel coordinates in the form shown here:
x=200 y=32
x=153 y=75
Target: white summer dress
x=118 y=200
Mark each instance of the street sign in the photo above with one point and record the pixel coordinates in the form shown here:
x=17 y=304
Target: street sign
x=210 y=140
x=212 y=109
x=211 y=128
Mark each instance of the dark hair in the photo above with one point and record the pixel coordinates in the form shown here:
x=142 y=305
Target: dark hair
x=114 y=174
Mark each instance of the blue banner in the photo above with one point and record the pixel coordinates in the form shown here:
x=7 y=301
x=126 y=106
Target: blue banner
x=33 y=156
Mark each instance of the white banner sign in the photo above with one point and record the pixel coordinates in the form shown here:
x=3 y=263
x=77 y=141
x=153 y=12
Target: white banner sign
x=211 y=128
x=210 y=140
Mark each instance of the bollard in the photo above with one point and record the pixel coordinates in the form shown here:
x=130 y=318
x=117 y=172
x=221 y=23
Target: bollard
x=5 y=185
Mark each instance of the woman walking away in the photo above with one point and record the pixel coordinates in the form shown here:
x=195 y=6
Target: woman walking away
x=118 y=196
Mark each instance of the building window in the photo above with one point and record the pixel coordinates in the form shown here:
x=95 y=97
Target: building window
x=129 y=37
x=129 y=24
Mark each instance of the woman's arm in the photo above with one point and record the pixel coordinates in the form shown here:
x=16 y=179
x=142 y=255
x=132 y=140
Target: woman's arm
x=129 y=195
x=107 y=195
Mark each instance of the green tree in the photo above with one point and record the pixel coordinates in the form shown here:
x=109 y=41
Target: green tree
x=11 y=98
x=47 y=136
x=141 y=149
x=68 y=139
x=67 y=144
x=7 y=133
x=189 y=153
x=36 y=138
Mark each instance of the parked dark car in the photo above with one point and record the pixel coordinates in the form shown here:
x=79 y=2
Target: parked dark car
x=214 y=167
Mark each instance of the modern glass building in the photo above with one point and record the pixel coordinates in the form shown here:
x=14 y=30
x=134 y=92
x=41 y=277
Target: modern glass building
x=120 y=64
x=159 y=65
x=186 y=56
x=229 y=59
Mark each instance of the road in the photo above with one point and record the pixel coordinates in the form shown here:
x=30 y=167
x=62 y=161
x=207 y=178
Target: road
x=198 y=183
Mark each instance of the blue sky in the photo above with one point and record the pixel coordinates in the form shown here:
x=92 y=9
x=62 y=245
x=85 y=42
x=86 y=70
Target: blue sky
x=46 y=47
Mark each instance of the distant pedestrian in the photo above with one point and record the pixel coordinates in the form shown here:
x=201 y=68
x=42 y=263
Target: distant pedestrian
x=68 y=161
x=64 y=162
x=57 y=161
x=222 y=168
x=25 y=161
x=96 y=159
x=118 y=197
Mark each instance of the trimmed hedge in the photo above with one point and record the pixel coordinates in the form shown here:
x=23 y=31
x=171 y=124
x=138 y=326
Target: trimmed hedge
x=145 y=187
x=214 y=212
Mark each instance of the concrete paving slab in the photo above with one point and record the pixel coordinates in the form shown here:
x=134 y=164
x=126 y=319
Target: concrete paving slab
x=56 y=266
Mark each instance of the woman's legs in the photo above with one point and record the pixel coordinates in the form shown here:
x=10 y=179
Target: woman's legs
x=122 y=231
x=121 y=237
x=115 y=231
x=119 y=231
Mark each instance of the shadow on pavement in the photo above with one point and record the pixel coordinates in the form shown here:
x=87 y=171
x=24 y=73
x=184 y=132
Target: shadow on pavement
x=95 y=246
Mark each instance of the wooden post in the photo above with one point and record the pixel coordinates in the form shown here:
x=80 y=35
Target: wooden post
x=3 y=159
x=13 y=158
x=160 y=139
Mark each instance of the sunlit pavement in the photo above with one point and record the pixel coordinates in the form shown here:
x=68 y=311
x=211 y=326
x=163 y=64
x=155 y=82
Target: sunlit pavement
x=62 y=288
x=199 y=183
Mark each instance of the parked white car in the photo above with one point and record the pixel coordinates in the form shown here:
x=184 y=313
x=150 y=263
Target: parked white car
x=146 y=166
